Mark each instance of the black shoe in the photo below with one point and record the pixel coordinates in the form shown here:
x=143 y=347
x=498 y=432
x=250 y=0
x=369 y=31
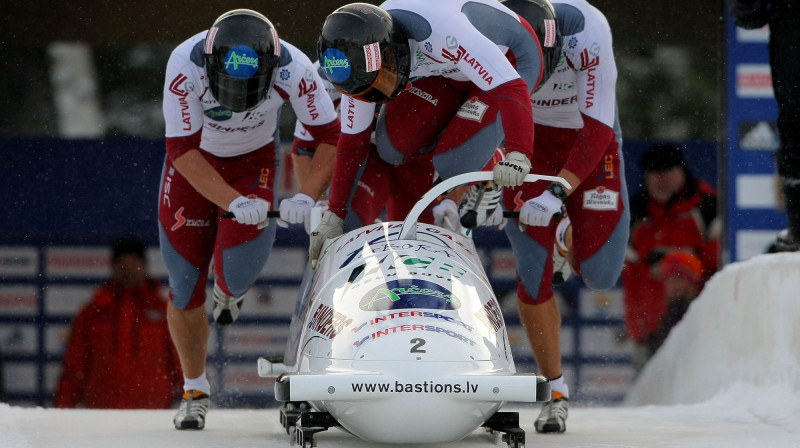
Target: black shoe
x=784 y=242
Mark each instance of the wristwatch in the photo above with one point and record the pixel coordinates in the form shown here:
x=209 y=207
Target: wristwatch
x=558 y=191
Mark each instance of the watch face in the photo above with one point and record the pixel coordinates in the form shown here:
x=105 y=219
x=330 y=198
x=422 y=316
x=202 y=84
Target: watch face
x=558 y=191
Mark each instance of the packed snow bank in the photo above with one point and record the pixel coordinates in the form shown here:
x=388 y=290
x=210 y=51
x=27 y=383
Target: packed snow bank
x=739 y=343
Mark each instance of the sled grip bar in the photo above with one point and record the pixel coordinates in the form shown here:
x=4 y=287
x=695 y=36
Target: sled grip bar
x=270 y=214
x=408 y=231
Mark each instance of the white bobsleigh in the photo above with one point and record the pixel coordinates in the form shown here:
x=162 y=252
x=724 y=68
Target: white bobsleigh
x=398 y=338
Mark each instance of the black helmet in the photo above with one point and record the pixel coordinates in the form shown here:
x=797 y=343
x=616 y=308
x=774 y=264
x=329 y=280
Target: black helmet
x=241 y=53
x=364 y=53
x=541 y=15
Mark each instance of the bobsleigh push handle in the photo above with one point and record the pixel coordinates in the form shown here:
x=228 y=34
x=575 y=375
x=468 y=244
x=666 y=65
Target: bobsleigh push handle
x=410 y=224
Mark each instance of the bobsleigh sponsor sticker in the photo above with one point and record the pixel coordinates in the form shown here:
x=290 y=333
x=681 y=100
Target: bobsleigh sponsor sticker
x=241 y=61
x=472 y=109
x=335 y=65
x=372 y=55
x=409 y=293
x=600 y=198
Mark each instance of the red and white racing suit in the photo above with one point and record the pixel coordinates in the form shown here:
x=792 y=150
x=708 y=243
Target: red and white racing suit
x=243 y=148
x=577 y=129
x=474 y=65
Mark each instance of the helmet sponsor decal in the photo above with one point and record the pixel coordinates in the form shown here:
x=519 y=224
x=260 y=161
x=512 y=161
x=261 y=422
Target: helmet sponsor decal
x=335 y=65
x=407 y=293
x=372 y=54
x=549 y=33
x=241 y=61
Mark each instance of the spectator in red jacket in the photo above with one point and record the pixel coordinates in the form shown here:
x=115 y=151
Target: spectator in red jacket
x=674 y=211
x=120 y=355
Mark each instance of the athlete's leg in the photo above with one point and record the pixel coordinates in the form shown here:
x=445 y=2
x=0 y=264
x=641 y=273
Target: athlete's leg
x=187 y=227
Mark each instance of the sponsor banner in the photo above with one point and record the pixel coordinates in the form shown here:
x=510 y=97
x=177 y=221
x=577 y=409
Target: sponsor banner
x=755 y=191
x=504 y=266
x=56 y=337
x=20 y=377
x=243 y=378
x=608 y=380
x=759 y=36
x=268 y=301
x=213 y=339
x=155 y=263
x=601 y=304
x=52 y=373
x=605 y=341
x=754 y=81
x=752 y=242
x=258 y=340
x=78 y=262
x=284 y=262
x=19 y=300
x=19 y=339
x=758 y=136
x=521 y=347
x=19 y=261
x=67 y=299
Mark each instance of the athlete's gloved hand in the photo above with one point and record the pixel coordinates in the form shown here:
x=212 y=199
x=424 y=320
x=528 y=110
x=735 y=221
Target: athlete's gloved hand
x=445 y=214
x=511 y=172
x=250 y=211
x=540 y=210
x=331 y=226
x=297 y=209
x=496 y=218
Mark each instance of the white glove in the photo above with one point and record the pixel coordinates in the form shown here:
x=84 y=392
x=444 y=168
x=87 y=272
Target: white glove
x=511 y=172
x=250 y=211
x=496 y=218
x=297 y=209
x=540 y=210
x=331 y=226
x=322 y=204
x=445 y=214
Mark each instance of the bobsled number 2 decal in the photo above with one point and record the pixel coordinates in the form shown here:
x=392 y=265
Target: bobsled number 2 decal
x=409 y=293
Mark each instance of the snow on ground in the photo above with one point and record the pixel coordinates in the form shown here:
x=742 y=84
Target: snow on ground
x=728 y=376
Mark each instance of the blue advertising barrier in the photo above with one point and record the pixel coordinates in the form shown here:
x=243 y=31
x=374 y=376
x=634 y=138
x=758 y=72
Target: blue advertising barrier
x=68 y=199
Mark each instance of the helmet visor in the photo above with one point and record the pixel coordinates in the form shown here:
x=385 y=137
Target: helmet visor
x=239 y=94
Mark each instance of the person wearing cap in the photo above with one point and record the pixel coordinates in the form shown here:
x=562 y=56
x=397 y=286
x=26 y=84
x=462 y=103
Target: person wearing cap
x=119 y=354
x=681 y=273
x=674 y=211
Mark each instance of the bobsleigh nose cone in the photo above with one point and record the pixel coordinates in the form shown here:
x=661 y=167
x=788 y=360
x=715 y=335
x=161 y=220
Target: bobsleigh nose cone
x=408 y=419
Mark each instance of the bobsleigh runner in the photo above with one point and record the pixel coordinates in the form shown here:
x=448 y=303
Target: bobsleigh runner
x=398 y=338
